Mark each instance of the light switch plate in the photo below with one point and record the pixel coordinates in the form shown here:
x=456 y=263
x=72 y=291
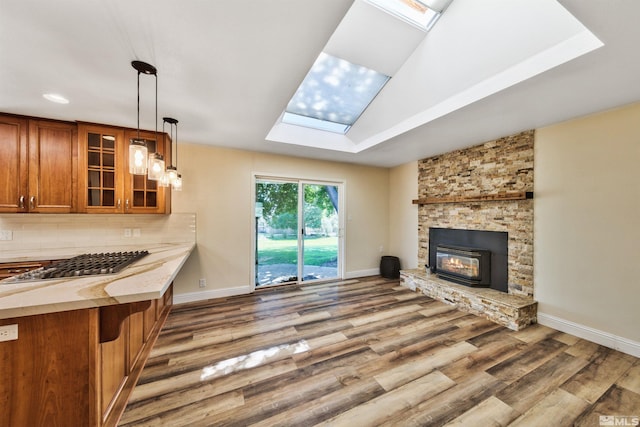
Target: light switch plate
x=6 y=235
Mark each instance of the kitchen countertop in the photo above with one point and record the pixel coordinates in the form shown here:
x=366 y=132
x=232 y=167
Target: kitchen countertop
x=146 y=279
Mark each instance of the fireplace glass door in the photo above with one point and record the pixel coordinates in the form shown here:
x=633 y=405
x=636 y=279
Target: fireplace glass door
x=458 y=264
x=467 y=266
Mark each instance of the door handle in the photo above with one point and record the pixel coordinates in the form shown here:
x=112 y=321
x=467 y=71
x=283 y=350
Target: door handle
x=119 y=205
x=21 y=202
x=126 y=205
x=32 y=202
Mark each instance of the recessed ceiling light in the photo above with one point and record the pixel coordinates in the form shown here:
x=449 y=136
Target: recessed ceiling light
x=54 y=97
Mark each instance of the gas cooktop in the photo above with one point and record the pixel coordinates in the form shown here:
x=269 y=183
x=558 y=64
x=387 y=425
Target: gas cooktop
x=82 y=265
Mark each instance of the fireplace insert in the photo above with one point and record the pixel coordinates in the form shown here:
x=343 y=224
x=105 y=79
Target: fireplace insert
x=496 y=242
x=467 y=266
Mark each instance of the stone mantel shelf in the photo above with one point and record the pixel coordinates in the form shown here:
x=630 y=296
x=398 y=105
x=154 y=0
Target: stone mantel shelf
x=498 y=197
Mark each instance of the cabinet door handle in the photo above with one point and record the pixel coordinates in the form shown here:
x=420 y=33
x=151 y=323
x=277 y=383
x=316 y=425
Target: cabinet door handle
x=21 y=202
x=126 y=205
x=32 y=202
x=119 y=204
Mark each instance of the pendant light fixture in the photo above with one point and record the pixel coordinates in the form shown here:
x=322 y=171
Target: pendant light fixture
x=138 y=152
x=156 y=167
x=172 y=177
x=177 y=185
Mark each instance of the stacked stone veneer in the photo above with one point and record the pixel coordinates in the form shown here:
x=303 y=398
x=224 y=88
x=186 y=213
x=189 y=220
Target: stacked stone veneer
x=503 y=165
x=513 y=311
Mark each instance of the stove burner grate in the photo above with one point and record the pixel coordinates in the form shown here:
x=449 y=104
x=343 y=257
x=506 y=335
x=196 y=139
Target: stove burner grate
x=83 y=265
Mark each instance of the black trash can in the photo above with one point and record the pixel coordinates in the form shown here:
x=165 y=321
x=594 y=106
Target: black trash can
x=390 y=267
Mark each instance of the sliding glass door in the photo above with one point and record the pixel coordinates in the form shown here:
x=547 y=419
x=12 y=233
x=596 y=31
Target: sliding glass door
x=320 y=231
x=297 y=231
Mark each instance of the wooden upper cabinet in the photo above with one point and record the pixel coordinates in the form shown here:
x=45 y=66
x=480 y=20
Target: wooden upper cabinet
x=53 y=167
x=49 y=166
x=105 y=184
x=101 y=176
x=41 y=159
x=13 y=158
x=143 y=195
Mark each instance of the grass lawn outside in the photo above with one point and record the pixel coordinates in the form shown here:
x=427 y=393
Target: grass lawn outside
x=321 y=251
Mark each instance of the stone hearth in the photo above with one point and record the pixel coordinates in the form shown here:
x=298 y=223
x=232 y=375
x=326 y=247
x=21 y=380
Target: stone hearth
x=513 y=311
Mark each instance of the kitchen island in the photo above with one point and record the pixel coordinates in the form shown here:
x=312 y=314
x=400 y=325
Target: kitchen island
x=81 y=342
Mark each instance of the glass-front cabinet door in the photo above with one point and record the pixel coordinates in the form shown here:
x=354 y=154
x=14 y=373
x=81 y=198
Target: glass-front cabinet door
x=100 y=178
x=144 y=195
x=105 y=184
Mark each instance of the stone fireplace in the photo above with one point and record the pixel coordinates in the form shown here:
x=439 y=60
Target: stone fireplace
x=482 y=189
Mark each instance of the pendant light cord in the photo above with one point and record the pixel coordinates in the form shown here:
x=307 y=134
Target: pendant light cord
x=174 y=142
x=176 y=147
x=138 y=134
x=157 y=142
x=171 y=136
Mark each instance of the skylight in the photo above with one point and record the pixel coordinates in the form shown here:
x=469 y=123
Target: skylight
x=333 y=95
x=421 y=13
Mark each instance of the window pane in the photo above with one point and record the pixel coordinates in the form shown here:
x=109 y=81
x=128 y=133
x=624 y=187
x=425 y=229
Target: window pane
x=420 y=13
x=334 y=91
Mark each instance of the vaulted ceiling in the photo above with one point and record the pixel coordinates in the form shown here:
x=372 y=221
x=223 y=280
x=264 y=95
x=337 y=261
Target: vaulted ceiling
x=227 y=68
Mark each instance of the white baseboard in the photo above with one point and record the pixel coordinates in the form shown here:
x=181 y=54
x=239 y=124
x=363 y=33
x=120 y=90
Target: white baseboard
x=362 y=273
x=212 y=294
x=599 y=337
x=242 y=290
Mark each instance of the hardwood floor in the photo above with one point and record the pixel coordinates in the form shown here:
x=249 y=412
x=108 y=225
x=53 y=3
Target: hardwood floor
x=370 y=352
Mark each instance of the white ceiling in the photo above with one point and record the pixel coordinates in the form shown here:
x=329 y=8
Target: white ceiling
x=227 y=68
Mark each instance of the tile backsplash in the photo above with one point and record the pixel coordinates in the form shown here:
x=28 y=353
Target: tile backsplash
x=44 y=231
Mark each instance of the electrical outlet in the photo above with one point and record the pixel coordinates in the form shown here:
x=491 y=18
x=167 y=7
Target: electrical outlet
x=127 y=232
x=136 y=232
x=202 y=283
x=8 y=333
x=6 y=235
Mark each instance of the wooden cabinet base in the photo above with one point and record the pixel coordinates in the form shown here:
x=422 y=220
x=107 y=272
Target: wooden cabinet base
x=58 y=373
x=49 y=373
x=119 y=403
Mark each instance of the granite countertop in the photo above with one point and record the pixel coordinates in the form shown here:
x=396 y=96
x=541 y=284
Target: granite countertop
x=144 y=280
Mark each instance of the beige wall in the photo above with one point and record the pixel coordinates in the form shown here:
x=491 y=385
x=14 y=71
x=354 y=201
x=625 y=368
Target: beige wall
x=218 y=188
x=587 y=226
x=403 y=215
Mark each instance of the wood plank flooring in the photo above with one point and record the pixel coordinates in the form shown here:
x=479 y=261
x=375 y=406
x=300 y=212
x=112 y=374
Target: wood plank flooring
x=369 y=352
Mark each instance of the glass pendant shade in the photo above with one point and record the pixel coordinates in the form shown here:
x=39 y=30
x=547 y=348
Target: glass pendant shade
x=170 y=177
x=138 y=157
x=177 y=184
x=156 y=167
x=164 y=181
x=172 y=173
